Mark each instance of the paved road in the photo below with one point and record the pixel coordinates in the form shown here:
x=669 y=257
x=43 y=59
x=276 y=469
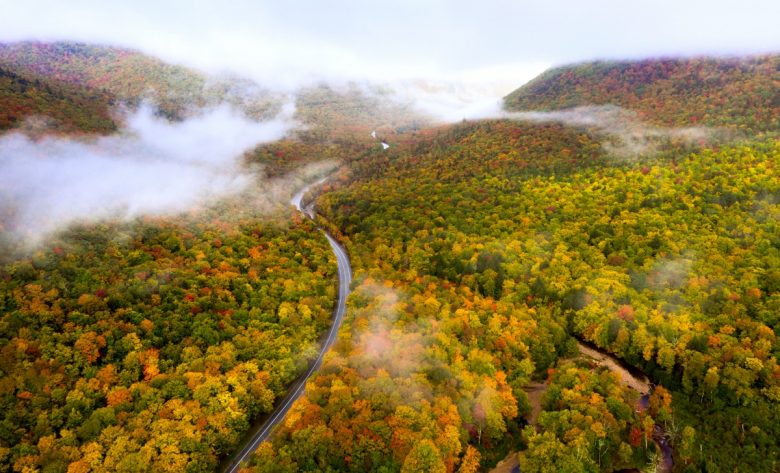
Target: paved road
x=297 y=388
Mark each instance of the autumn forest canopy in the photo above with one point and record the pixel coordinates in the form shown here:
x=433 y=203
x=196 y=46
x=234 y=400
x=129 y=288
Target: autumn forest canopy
x=589 y=280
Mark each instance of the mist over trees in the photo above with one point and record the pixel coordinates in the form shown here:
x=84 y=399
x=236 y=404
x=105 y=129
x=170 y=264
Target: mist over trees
x=176 y=295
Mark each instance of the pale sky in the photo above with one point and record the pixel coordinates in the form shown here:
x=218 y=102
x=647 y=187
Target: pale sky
x=286 y=42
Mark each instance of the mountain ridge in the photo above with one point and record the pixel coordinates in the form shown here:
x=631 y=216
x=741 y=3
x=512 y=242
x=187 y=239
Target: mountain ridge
x=741 y=92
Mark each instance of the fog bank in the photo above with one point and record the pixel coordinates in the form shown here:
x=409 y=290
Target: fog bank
x=152 y=167
x=627 y=135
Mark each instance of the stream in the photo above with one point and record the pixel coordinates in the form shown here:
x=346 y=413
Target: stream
x=638 y=381
x=630 y=376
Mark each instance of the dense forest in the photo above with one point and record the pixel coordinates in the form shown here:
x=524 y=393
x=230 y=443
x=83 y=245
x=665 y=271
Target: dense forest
x=592 y=422
x=486 y=254
x=670 y=262
x=349 y=113
x=69 y=108
x=152 y=345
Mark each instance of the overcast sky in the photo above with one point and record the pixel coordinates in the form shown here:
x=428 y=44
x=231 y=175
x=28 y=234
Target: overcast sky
x=287 y=41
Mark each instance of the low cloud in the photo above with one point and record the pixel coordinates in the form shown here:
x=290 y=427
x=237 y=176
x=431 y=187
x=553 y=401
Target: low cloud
x=385 y=346
x=473 y=95
x=152 y=167
x=380 y=344
x=628 y=136
x=670 y=273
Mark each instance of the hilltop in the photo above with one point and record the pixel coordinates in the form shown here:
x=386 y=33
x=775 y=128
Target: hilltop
x=129 y=76
x=741 y=93
x=89 y=82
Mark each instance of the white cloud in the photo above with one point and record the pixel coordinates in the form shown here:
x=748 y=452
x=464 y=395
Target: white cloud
x=474 y=95
x=153 y=167
x=631 y=136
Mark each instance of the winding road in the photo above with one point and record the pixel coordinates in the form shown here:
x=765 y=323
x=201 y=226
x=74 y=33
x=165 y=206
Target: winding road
x=261 y=431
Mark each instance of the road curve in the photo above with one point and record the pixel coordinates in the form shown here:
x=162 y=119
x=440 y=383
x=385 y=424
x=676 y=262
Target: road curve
x=297 y=388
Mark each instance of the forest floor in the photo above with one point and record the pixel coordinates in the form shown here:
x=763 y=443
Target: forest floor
x=534 y=392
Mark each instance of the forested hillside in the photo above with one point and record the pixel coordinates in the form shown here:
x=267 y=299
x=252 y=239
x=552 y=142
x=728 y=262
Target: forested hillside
x=670 y=262
x=80 y=85
x=151 y=346
x=741 y=93
x=129 y=77
x=349 y=113
x=485 y=254
x=69 y=108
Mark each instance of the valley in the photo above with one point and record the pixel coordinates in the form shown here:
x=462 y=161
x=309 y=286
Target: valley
x=586 y=281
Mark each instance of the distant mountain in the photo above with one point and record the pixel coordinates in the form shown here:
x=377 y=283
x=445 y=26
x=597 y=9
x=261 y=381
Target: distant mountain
x=82 y=82
x=740 y=93
x=354 y=110
x=130 y=77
